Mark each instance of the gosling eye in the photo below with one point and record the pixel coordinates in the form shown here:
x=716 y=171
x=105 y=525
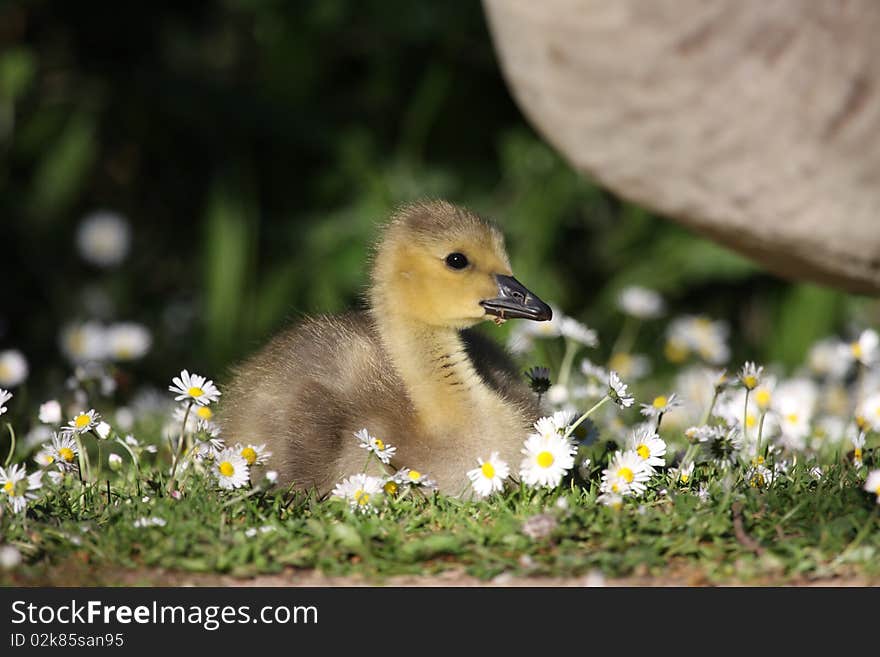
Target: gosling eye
x=456 y=260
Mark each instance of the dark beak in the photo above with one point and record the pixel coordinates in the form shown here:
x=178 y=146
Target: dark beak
x=515 y=300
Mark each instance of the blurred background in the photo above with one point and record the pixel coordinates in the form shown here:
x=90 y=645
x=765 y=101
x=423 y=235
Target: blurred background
x=211 y=171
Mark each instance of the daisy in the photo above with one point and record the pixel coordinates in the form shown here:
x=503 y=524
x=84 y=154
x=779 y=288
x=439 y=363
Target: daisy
x=660 y=405
x=593 y=371
x=640 y=302
x=489 y=477
x=13 y=368
x=722 y=444
x=231 y=469
x=574 y=330
x=547 y=459
x=253 y=454
x=384 y=452
x=64 y=450
x=612 y=500
x=759 y=476
x=699 y=335
x=50 y=412
x=539 y=379
x=869 y=410
x=872 y=484
x=684 y=474
x=630 y=366
x=136 y=446
x=750 y=375
x=103 y=430
x=10 y=557
x=824 y=358
x=555 y=424
x=5 y=396
x=414 y=478
x=44 y=458
x=618 y=392
x=83 y=343
x=128 y=341
x=363 y=492
x=858 y=442
x=864 y=350
x=18 y=486
x=83 y=422
x=626 y=474
x=195 y=388
x=648 y=446
x=149 y=521
x=793 y=411
x=103 y=238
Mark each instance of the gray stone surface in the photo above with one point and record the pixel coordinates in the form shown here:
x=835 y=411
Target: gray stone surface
x=755 y=123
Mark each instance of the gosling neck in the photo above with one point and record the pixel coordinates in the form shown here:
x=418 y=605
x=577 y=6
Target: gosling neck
x=435 y=367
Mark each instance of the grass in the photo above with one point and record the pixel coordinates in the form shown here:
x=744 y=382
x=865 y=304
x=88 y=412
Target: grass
x=801 y=528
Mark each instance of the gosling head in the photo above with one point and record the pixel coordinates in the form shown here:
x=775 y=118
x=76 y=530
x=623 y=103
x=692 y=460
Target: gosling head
x=443 y=266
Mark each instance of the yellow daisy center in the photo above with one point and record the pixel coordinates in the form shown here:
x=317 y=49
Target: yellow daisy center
x=751 y=420
x=877 y=491
x=124 y=352
x=643 y=451
x=620 y=362
x=762 y=398
x=361 y=497
x=856 y=349
x=82 y=420
x=660 y=402
x=488 y=470
x=66 y=453
x=758 y=460
x=792 y=417
x=675 y=351
x=5 y=371
x=195 y=391
x=861 y=422
x=226 y=469
x=415 y=475
x=684 y=478
x=626 y=474
x=9 y=487
x=545 y=459
x=857 y=453
x=249 y=454
x=204 y=412
x=750 y=381
x=390 y=488
x=615 y=488
x=378 y=443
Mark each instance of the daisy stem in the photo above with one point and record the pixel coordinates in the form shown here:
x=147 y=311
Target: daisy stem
x=84 y=470
x=11 y=445
x=571 y=348
x=746 y=417
x=709 y=410
x=137 y=469
x=583 y=417
x=180 y=444
x=760 y=433
x=659 y=420
x=627 y=337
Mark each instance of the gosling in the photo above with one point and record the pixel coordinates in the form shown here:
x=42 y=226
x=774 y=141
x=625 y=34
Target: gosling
x=408 y=369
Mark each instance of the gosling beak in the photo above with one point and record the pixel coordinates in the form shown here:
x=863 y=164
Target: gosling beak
x=515 y=300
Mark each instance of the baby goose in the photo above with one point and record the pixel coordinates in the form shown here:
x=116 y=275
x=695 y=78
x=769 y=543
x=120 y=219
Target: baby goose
x=407 y=369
